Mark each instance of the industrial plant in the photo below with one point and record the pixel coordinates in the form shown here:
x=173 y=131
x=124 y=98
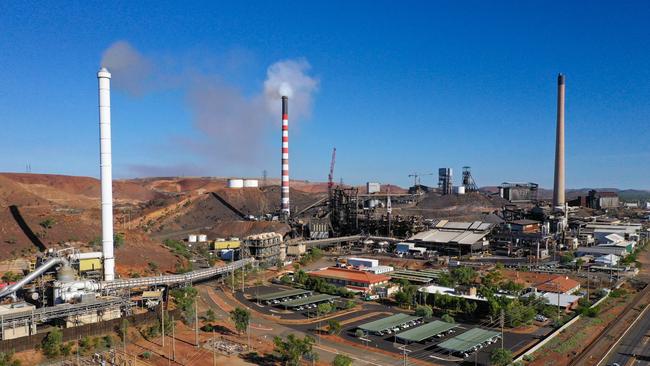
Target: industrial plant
x=441 y=273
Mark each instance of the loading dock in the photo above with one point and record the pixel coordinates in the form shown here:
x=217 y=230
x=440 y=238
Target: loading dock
x=392 y=324
x=426 y=331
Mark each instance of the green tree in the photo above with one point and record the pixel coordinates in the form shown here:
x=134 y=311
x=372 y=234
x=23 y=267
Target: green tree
x=47 y=223
x=184 y=298
x=500 y=357
x=52 y=343
x=210 y=316
x=342 y=360
x=293 y=349
x=300 y=277
x=334 y=326
x=241 y=318
x=359 y=333
x=447 y=318
x=7 y=359
x=424 y=311
x=463 y=275
x=11 y=277
x=324 y=308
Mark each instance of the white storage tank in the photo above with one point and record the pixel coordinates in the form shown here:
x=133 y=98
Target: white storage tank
x=251 y=183
x=460 y=190
x=235 y=183
x=203 y=238
x=192 y=238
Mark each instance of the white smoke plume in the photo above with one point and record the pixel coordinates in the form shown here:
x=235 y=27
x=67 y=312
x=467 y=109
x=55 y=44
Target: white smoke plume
x=235 y=126
x=131 y=71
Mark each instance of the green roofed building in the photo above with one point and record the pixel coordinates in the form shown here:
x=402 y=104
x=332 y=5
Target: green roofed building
x=426 y=331
x=316 y=299
x=284 y=295
x=388 y=324
x=467 y=341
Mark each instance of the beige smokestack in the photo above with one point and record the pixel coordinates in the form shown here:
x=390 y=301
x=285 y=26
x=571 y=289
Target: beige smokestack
x=558 y=183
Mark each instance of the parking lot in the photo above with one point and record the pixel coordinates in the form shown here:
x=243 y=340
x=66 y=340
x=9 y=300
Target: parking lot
x=296 y=305
x=429 y=349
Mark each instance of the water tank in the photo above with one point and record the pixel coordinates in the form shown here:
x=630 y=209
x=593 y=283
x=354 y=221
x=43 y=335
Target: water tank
x=460 y=190
x=251 y=183
x=203 y=238
x=192 y=238
x=235 y=183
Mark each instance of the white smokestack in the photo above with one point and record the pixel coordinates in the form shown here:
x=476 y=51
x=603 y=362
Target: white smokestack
x=106 y=173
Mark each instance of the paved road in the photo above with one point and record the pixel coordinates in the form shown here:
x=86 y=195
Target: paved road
x=634 y=348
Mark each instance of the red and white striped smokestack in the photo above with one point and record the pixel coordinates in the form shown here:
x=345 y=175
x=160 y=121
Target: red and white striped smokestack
x=284 y=195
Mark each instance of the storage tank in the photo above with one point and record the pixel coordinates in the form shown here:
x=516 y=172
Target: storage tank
x=203 y=238
x=460 y=190
x=235 y=183
x=192 y=238
x=251 y=183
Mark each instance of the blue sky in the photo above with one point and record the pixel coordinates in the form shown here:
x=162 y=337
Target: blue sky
x=402 y=87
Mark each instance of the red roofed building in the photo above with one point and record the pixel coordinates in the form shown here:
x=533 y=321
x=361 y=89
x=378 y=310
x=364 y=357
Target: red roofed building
x=559 y=284
x=351 y=278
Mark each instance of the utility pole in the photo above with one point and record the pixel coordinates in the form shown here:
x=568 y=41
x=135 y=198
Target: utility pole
x=214 y=349
x=502 y=321
x=173 y=340
x=162 y=320
x=196 y=321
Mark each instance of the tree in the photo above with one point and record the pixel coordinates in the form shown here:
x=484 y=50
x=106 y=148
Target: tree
x=11 y=277
x=300 y=277
x=241 y=318
x=447 y=318
x=566 y=258
x=210 y=316
x=293 y=349
x=500 y=357
x=359 y=333
x=184 y=298
x=333 y=326
x=424 y=311
x=342 y=360
x=463 y=275
x=47 y=223
x=52 y=343
x=324 y=308
x=7 y=359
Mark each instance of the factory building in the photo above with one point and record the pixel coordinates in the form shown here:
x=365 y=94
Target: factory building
x=352 y=279
x=267 y=248
x=597 y=200
x=519 y=192
x=454 y=238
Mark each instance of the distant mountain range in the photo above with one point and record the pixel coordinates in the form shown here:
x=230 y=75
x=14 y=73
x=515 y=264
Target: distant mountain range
x=629 y=195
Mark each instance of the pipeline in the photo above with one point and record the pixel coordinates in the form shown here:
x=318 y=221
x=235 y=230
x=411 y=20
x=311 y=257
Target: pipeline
x=11 y=290
x=189 y=277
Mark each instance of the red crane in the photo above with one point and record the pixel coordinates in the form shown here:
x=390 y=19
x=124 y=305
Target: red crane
x=330 y=177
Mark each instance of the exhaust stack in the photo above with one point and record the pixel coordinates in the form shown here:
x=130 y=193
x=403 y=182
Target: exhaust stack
x=284 y=194
x=558 y=183
x=106 y=172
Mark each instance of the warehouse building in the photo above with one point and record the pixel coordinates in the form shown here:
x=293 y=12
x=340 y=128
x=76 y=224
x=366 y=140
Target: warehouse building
x=455 y=238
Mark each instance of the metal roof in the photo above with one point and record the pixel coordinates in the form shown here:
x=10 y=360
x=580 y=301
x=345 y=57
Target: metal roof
x=309 y=300
x=388 y=323
x=468 y=340
x=281 y=294
x=426 y=331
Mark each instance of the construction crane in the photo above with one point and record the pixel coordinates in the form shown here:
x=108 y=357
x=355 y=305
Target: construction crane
x=330 y=177
x=416 y=177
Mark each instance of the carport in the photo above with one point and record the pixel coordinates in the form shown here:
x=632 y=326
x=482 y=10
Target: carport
x=469 y=341
x=388 y=324
x=426 y=331
x=283 y=295
x=316 y=299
